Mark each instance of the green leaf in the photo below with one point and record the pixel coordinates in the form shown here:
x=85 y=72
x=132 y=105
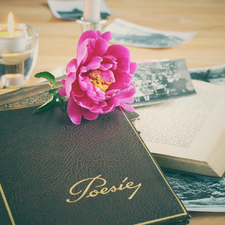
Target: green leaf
x=56 y=97
x=53 y=90
x=48 y=76
x=46 y=105
x=60 y=99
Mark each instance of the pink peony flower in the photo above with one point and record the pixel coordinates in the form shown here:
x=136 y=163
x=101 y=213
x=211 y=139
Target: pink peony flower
x=99 y=79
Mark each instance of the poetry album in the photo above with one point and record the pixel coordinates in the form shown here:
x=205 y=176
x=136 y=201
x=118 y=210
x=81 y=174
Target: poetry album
x=99 y=172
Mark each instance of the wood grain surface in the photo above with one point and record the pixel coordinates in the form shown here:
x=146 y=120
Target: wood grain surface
x=58 y=39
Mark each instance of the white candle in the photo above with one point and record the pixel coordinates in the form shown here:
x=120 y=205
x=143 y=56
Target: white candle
x=11 y=41
x=91 y=10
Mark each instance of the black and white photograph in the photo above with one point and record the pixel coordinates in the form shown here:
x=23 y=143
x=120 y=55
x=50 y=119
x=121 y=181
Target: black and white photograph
x=127 y=33
x=198 y=193
x=70 y=10
x=214 y=75
x=161 y=81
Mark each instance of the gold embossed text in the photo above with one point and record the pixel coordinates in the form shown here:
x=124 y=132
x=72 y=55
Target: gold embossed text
x=92 y=190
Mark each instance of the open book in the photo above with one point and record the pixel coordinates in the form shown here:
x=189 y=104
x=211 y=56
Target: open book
x=188 y=134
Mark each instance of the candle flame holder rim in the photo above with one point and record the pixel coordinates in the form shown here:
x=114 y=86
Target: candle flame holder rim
x=87 y=25
x=18 y=26
x=102 y=20
x=23 y=27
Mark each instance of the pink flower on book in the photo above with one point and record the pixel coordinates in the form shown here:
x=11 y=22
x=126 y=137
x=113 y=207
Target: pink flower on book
x=99 y=79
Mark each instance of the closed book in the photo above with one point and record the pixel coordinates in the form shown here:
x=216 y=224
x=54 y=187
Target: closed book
x=99 y=172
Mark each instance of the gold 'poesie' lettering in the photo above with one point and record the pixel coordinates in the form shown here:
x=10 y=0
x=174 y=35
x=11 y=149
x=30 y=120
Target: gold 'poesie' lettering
x=92 y=190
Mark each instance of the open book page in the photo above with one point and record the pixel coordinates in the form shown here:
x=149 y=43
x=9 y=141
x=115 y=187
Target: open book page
x=189 y=127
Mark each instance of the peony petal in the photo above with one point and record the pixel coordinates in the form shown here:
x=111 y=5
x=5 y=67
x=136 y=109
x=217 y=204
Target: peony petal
x=122 y=80
x=83 y=69
x=105 y=66
x=107 y=36
x=90 y=51
x=127 y=107
x=82 y=52
x=63 y=82
x=84 y=101
x=127 y=93
x=101 y=46
x=128 y=100
x=122 y=54
x=74 y=112
x=96 y=94
x=95 y=63
x=71 y=66
x=68 y=83
x=108 y=76
x=86 y=35
x=76 y=90
x=111 y=105
x=91 y=93
x=133 y=67
x=83 y=82
x=110 y=59
x=111 y=93
x=98 y=33
x=89 y=115
x=62 y=91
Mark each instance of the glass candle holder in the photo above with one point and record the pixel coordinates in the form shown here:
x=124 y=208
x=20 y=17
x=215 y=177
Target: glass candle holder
x=18 y=54
x=86 y=25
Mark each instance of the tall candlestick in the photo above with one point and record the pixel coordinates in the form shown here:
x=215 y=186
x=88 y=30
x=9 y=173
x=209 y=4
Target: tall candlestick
x=91 y=10
x=91 y=19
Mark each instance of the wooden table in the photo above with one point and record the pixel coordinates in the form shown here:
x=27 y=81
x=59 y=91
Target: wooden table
x=58 y=39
